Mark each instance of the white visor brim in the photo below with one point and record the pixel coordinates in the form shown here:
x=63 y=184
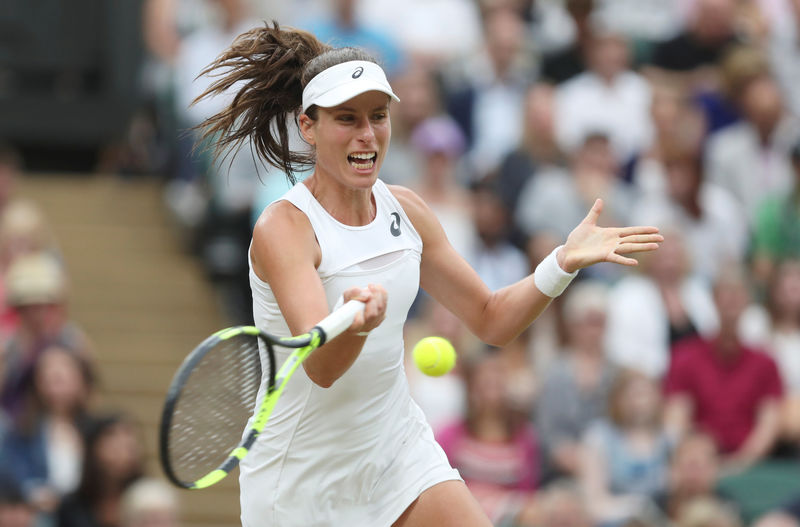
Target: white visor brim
x=342 y=82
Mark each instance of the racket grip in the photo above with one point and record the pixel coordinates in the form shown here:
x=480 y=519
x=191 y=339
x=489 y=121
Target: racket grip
x=338 y=321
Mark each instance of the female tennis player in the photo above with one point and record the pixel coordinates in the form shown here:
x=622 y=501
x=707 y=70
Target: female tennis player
x=346 y=445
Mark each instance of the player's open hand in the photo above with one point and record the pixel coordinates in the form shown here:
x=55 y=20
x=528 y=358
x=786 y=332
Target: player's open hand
x=374 y=297
x=589 y=243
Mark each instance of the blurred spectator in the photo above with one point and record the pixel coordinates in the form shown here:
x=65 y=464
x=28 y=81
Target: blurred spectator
x=149 y=503
x=551 y=25
x=672 y=114
x=565 y=63
x=156 y=142
x=493 y=448
x=739 y=65
x=496 y=260
x=537 y=149
x=441 y=143
x=719 y=386
x=651 y=310
x=433 y=31
x=37 y=289
x=15 y=511
x=487 y=106
x=778 y=519
x=557 y=197
x=783 y=304
x=22 y=227
x=787 y=515
x=693 y=474
x=44 y=450
x=522 y=383
x=626 y=456
x=643 y=24
x=199 y=48
x=708 y=512
x=751 y=158
x=113 y=461
x=693 y=55
x=23 y=230
x=710 y=218
x=153 y=131
x=416 y=86
x=342 y=28
x=783 y=19
x=608 y=98
x=777 y=225
x=212 y=201
x=232 y=182
x=576 y=386
x=562 y=504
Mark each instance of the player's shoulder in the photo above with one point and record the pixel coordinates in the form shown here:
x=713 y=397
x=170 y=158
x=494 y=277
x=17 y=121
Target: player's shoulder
x=420 y=214
x=281 y=213
x=280 y=221
x=413 y=205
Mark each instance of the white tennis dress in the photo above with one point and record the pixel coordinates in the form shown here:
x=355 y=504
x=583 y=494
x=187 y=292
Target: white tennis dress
x=357 y=453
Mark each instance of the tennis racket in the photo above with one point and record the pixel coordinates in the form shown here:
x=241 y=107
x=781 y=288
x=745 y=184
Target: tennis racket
x=203 y=433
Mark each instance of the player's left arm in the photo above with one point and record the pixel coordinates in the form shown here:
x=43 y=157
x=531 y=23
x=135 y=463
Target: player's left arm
x=498 y=317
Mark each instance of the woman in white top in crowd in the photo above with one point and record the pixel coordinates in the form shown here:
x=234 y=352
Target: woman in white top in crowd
x=346 y=445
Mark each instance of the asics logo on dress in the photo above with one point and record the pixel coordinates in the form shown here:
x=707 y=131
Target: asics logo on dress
x=357 y=73
x=394 y=228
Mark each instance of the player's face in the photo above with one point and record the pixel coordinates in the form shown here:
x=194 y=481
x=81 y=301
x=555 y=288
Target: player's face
x=351 y=139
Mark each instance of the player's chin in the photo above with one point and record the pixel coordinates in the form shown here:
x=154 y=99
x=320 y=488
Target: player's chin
x=364 y=177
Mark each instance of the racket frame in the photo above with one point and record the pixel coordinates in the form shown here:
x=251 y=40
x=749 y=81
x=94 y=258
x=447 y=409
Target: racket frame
x=303 y=345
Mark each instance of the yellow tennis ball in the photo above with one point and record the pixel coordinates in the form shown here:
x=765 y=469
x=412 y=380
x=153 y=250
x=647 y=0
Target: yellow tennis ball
x=434 y=356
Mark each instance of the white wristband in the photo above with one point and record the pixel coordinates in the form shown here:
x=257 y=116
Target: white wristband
x=550 y=278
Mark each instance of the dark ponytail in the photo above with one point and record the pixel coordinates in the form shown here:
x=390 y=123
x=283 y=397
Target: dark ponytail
x=273 y=65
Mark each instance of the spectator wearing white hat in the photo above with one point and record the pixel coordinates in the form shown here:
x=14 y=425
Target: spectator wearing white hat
x=37 y=289
x=150 y=502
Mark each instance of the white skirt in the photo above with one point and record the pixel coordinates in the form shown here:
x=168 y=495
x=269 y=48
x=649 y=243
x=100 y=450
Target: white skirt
x=343 y=486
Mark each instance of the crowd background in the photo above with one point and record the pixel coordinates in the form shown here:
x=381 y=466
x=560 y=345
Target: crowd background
x=664 y=395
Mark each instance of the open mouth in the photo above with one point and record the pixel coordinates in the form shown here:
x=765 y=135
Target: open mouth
x=362 y=160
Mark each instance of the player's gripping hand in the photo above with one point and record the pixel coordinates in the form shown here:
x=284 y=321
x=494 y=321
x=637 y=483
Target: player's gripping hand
x=589 y=243
x=374 y=297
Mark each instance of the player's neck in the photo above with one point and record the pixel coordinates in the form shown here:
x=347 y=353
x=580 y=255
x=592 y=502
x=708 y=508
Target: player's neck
x=348 y=205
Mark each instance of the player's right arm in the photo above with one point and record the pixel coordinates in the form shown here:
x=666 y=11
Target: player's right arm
x=285 y=254
x=494 y=317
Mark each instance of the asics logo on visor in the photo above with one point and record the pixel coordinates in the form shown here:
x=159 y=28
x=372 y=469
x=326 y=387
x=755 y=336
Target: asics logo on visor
x=357 y=73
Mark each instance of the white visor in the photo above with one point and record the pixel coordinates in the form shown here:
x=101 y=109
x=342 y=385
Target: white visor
x=344 y=81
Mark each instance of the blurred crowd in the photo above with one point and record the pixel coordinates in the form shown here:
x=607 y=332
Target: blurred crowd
x=664 y=395
x=66 y=459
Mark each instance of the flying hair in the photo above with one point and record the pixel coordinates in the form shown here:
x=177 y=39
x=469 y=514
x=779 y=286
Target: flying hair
x=268 y=67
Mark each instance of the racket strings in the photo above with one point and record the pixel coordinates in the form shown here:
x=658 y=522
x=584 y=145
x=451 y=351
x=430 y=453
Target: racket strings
x=214 y=406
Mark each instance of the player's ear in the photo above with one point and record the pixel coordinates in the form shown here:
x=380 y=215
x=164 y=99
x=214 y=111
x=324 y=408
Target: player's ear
x=307 y=128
